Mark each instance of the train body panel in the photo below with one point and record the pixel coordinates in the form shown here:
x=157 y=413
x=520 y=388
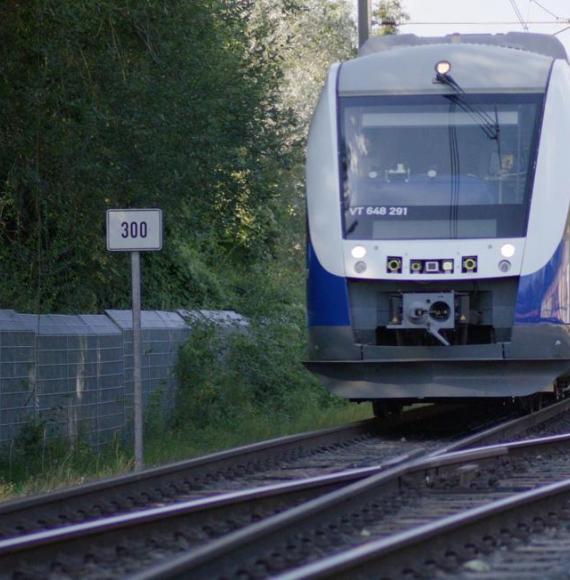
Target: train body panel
x=438 y=254
x=322 y=177
x=551 y=194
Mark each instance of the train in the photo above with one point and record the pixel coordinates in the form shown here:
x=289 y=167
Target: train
x=438 y=229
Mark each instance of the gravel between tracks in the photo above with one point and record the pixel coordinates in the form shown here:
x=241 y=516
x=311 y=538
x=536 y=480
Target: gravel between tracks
x=554 y=426
x=540 y=552
x=417 y=499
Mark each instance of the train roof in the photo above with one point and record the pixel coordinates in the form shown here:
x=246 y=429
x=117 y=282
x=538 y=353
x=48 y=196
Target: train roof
x=544 y=44
x=404 y=64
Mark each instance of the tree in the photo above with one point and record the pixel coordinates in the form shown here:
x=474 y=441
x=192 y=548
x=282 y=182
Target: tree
x=388 y=17
x=310 y=36
x=130 y=104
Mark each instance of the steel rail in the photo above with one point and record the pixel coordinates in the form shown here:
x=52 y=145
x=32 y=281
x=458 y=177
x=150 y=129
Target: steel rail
x=427 y=544
x=252 y=497
x=226 y=555
x=37 y=546
x=17 y=551
x=74 y=534
x=76 y=537
x=167 y=483
x=510 y=428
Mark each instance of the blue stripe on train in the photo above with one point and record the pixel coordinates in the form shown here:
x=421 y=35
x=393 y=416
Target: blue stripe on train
x=327 y=295
x=543 y=295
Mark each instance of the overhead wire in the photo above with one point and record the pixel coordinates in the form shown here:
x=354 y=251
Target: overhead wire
x=528 y=10
x=518 y=14
x=524 y=23
x=546 y=9
x=483 y=22
x=549 y=12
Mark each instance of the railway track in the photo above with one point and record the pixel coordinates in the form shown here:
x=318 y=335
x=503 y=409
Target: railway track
x=122 y=545
x=351 y=537
x=520 y=537
x=378 y=509
x=363 y=444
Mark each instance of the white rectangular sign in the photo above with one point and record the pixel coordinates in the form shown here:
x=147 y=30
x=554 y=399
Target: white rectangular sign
x=134 y=230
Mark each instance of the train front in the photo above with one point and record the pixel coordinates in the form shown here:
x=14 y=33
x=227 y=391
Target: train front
x=437 y=197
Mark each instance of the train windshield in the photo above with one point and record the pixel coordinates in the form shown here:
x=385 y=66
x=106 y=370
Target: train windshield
x=427 y=167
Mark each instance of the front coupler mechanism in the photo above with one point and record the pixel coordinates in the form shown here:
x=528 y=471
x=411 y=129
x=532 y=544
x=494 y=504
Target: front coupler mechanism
x=430 y=310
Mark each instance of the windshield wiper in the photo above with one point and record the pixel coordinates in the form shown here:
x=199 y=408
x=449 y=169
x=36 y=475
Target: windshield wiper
x=488 y=125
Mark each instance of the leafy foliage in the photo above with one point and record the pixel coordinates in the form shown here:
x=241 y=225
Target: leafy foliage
x=388 y=16
x=123 y=103
x=241 y=377
x=317 y=35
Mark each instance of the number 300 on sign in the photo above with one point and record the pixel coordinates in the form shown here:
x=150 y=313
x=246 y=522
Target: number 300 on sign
x=133 y=230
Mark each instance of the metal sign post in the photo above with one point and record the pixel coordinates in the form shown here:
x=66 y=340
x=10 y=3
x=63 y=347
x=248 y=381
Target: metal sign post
x=364 y=21
x=137 y=363
x=135 y=231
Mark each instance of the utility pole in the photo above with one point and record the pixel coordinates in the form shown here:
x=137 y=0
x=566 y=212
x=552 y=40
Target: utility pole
x=364 y=17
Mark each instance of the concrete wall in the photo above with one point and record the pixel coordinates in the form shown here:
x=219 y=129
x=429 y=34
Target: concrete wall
x=74 y=374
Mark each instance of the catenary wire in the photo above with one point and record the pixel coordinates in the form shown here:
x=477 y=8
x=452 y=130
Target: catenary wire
x=518 y=14
x=546 y=9
x=483 y=22
x=561 y=30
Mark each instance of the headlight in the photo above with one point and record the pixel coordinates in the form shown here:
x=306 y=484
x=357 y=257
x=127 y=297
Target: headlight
x=358 y=252
x=508 y=251
x=443 y=67
x=469 y=264
x=416 y=266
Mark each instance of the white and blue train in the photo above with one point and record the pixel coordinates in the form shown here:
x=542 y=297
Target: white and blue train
x=438 y=195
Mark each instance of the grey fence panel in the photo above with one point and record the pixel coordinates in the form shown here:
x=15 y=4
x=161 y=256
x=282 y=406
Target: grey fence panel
x=162 y=335
x=74 y=374
x=109 y=369
x=17 y=372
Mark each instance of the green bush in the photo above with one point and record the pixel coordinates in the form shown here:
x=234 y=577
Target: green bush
x=228 y=380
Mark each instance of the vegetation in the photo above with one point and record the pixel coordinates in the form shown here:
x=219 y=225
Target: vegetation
x=33 y=466
x=388 y=16
x=200 y=107
x=235 y=389
x=110 y=104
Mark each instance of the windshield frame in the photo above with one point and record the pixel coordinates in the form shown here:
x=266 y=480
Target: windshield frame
x=478 y=100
